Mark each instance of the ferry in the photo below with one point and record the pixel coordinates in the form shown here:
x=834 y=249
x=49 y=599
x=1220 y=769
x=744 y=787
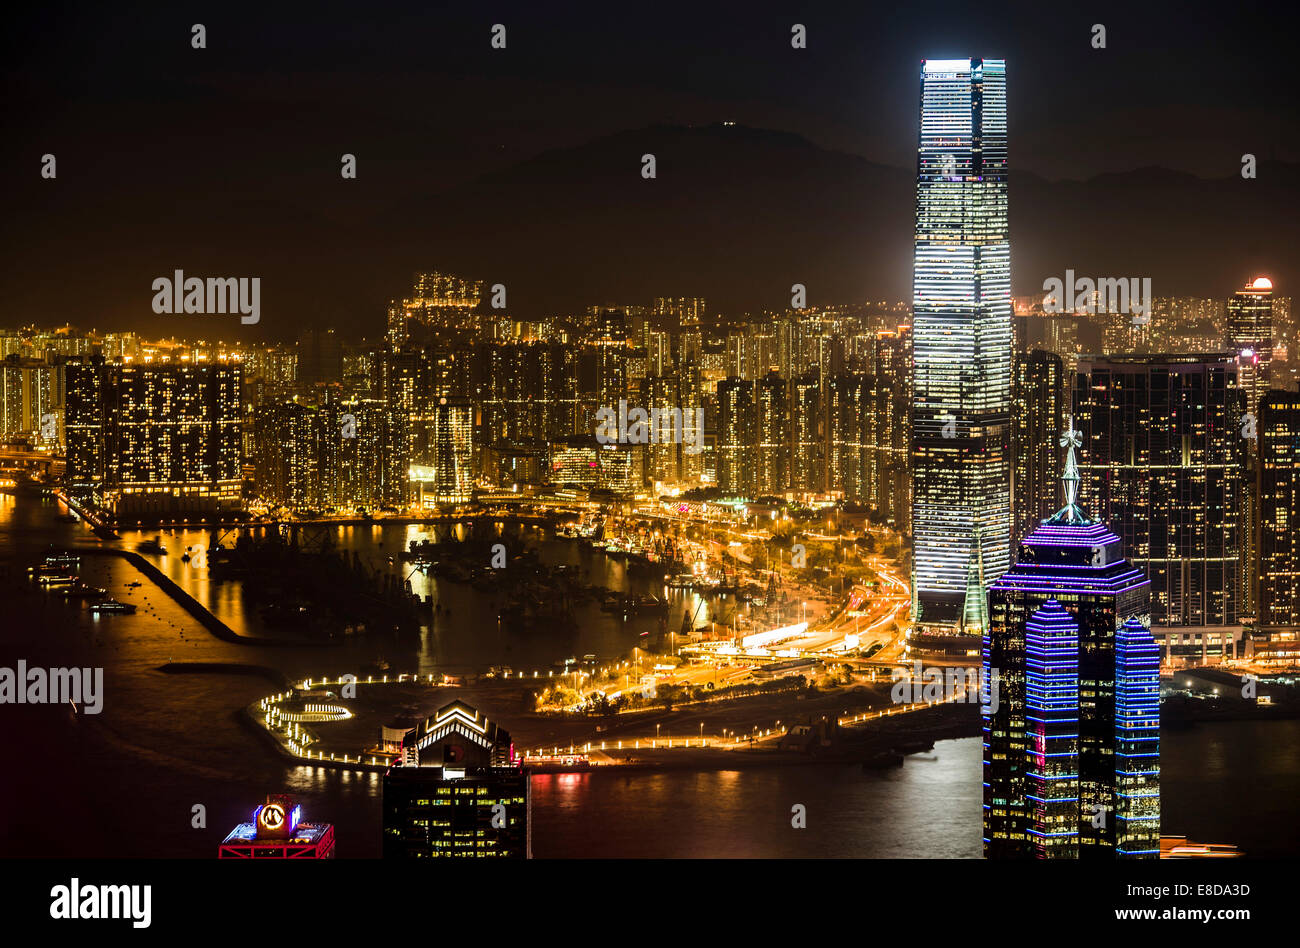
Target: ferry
x=112 y=605
x=56 y=579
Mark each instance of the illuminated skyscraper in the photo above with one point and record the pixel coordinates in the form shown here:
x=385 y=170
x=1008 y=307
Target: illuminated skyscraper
x=84 y=424
x=663 y=457
x=442 y=452
x=737 y=422
x=807 y=448
x=1279 y=495
x=1038 y=392
x=772 y=460
x=1165 y=459
x=155 y=439
x=889 y=428
x=368 y=473
x=611 y=358
x=847 y=415
x=1250 y=338
x=1071 y=744
x=690 y=391
x=31 y=402
x=961 y=501
x=439 y=303
x=290 y=454
x=1250 y=335
x=400 y=385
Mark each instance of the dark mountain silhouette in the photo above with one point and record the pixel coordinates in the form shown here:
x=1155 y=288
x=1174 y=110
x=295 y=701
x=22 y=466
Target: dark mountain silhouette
x=734 y=214
x=738 y=214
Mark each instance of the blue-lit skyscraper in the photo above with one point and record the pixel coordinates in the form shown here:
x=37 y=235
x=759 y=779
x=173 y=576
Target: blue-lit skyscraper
x=961 y=292
x=1137 y=741
x=1052 y=730
x=1072 y=747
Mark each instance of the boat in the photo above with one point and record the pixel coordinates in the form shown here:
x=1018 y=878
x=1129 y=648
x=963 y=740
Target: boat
x=651 y=604
x=63 y=559
x=80 y=590
x=134 y=585
x=153 y=546
x=56 y=579
x=112 y=605
x=46 y=570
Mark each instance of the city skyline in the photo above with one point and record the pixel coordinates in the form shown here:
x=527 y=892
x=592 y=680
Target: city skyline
x=616 y=436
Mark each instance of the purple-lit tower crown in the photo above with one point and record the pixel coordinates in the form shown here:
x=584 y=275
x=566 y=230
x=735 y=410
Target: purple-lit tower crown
x=1055 y=619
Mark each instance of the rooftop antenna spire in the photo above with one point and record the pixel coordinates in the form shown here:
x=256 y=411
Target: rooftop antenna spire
x=1071 y=439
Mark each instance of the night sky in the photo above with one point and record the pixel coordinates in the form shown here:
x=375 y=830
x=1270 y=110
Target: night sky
x=522 y=165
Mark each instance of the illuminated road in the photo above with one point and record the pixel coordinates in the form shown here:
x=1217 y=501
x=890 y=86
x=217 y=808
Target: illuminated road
x=873 y=619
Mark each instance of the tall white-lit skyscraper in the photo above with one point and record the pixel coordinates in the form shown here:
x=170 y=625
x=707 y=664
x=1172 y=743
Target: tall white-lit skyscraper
x=961 y=293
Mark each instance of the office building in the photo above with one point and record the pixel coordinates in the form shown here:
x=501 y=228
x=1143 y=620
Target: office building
x=961 y=324
x=1279 y=513
x=442 y=452
x=1250 y=338
x=1071 y=743
x=1038 y=394
x=458 y=791
x=1164 y=459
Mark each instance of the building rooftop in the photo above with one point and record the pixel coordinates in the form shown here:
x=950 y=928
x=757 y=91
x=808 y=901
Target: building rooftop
x=304 y=834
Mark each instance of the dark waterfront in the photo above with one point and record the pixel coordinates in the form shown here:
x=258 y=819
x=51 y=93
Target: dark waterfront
x=165 y=743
